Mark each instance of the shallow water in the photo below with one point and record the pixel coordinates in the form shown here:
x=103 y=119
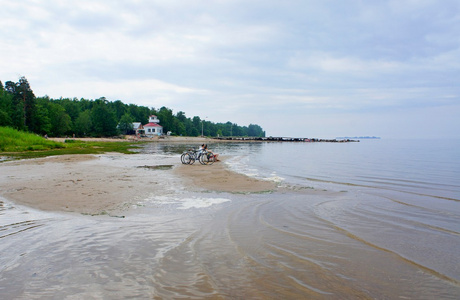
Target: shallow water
x=376 y=219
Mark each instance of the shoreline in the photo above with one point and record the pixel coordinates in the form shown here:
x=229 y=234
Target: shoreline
x=101 y=184
x=186 y=139
x=129 y=138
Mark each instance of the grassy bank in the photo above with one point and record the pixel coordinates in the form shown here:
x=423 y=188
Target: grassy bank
x=12 y=140
x=18 y=144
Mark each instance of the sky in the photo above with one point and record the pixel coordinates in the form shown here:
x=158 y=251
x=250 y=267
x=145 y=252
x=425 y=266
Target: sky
x=307 y=68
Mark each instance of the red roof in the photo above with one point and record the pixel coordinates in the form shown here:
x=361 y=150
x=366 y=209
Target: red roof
x=152 y=125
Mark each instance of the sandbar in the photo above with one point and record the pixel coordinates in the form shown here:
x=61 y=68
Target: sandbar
x=217 y=177
x=86 y=184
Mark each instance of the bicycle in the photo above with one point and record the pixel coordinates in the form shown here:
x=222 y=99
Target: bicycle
x=204 y=157
x=190 y=156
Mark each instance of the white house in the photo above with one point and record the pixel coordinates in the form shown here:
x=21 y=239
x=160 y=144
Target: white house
x=153 y=128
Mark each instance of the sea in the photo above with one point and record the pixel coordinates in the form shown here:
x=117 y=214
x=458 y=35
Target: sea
x=374 y=219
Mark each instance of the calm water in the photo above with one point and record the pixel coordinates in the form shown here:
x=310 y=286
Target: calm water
x=378 y=219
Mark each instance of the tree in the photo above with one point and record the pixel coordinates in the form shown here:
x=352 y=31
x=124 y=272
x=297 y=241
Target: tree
x=181 y=116
x=16 y=110
x=229 y=128
x=83 y=124
x=25 y=94
x=166 y=119
x=23 y=103
x=103 y=120
x=20 y=109
x=126 y=123
x=178 y=127
x=5 y=119
x=71 y=107
x=140 y=113
x=119 y=108
x=60 y=120
x=6 y=100
x=42 y=121
x=255 y=130
x=196 y=130
x=10 y=87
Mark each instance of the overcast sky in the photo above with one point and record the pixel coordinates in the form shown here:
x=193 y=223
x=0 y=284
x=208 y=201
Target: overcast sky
x=305 y=68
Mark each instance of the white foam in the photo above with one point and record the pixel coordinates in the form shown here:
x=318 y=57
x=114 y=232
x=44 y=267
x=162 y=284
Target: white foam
x=239 y=164
x=201 y=202
x=186 y=203
x=275 y=178
x=162 y=200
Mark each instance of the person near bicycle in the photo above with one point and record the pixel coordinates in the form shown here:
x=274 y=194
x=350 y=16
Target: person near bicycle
x=205 y=149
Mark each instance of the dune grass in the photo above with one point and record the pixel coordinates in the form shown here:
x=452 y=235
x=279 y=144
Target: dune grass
x=18 y=144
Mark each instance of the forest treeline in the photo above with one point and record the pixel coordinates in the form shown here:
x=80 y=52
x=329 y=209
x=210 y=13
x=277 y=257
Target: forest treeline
x=20 y=109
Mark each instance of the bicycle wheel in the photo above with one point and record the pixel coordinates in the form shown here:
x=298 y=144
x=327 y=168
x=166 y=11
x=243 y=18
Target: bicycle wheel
x=207 y=159
x=187 y=159
x=182 y=158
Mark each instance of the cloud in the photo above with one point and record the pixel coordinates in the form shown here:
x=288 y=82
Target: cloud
x=325 y=62
x=248 y=62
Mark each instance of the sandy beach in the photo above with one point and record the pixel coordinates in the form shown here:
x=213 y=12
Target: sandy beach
x=82 y=184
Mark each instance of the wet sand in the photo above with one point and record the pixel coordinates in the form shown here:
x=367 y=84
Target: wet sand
x=82 y=184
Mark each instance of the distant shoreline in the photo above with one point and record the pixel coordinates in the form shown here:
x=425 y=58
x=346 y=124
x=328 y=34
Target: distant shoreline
x=185 y=139
x=360 y=137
